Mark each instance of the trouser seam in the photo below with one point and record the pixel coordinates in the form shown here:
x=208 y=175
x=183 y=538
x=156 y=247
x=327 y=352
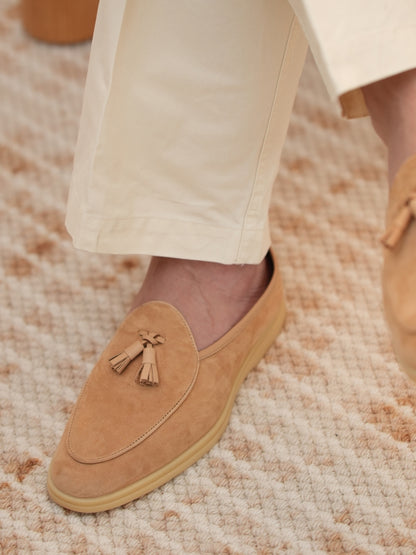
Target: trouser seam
x=261 y=159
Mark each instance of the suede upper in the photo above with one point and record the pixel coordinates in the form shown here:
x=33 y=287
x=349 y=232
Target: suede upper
x=121 y=432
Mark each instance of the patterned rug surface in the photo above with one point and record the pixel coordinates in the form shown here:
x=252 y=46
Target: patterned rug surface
x=319 y=456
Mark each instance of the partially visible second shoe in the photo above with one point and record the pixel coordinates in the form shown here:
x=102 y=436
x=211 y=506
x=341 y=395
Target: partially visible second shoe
x=154 y=404
x=59 y=21
x=399 y=271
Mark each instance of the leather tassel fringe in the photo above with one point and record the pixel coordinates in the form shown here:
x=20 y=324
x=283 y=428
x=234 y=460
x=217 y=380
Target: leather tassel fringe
x=120 y=362
x=148 y=374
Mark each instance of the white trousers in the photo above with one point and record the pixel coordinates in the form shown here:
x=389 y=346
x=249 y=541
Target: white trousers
x=186 y=109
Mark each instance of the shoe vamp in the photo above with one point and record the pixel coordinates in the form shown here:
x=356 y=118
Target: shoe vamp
x=114 y=413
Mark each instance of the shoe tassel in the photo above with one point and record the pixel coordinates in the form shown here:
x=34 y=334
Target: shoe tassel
x=399 y=224
x=147 y=374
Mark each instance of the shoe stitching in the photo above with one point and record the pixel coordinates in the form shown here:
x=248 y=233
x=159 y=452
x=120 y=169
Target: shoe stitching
x=150 y=430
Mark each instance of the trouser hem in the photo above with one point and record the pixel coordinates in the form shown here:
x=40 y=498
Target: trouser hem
x=186 y=240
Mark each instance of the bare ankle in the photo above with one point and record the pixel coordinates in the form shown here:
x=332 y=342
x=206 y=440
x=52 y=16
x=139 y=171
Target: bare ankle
x=391 y=103
x=212 y=297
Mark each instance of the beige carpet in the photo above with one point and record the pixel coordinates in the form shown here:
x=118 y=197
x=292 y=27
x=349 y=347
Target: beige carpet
x=319 y=456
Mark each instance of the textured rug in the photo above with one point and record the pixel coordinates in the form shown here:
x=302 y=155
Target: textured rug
x=319 y=456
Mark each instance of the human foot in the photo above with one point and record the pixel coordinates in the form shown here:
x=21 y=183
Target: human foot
x=391 y=103
x=124 y=438
x=212 y=297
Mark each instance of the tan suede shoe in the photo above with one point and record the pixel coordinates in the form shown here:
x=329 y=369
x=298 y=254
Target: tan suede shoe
x=399 y=272
x=135 y=426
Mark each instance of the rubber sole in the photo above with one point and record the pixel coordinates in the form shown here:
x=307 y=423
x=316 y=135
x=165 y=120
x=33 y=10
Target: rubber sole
x=187 y=458
x=411 y=372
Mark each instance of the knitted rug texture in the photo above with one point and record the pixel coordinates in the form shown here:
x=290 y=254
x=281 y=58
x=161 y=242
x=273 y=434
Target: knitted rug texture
x=319 y=455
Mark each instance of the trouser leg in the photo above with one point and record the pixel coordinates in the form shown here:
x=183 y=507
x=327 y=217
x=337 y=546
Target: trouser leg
x=185 y=113
x=187 y=106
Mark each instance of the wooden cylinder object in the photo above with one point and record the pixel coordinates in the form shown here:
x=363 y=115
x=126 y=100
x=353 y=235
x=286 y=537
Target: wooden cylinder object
x=59 y=21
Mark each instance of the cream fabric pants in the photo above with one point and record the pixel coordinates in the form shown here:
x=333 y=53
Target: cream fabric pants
x=186 y=109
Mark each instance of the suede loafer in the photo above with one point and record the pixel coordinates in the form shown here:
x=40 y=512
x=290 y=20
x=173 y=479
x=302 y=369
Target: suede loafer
x=399 y=270
x=154 y=404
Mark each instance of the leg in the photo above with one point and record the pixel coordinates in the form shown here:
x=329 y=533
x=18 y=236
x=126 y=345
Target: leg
x=196 y=165
x=366 y=54
x=176 y=158
x=355 y=44
x=392 y=106
x=182 y=128
x=391 y=103
x=212 y=297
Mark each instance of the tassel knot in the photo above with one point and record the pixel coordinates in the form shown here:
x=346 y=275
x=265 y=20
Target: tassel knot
x=147 y=374
x=120 y=362
x=400 y=223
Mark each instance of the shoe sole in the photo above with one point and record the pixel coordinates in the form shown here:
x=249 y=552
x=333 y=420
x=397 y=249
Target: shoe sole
x=187 y=458
x=411 y=372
